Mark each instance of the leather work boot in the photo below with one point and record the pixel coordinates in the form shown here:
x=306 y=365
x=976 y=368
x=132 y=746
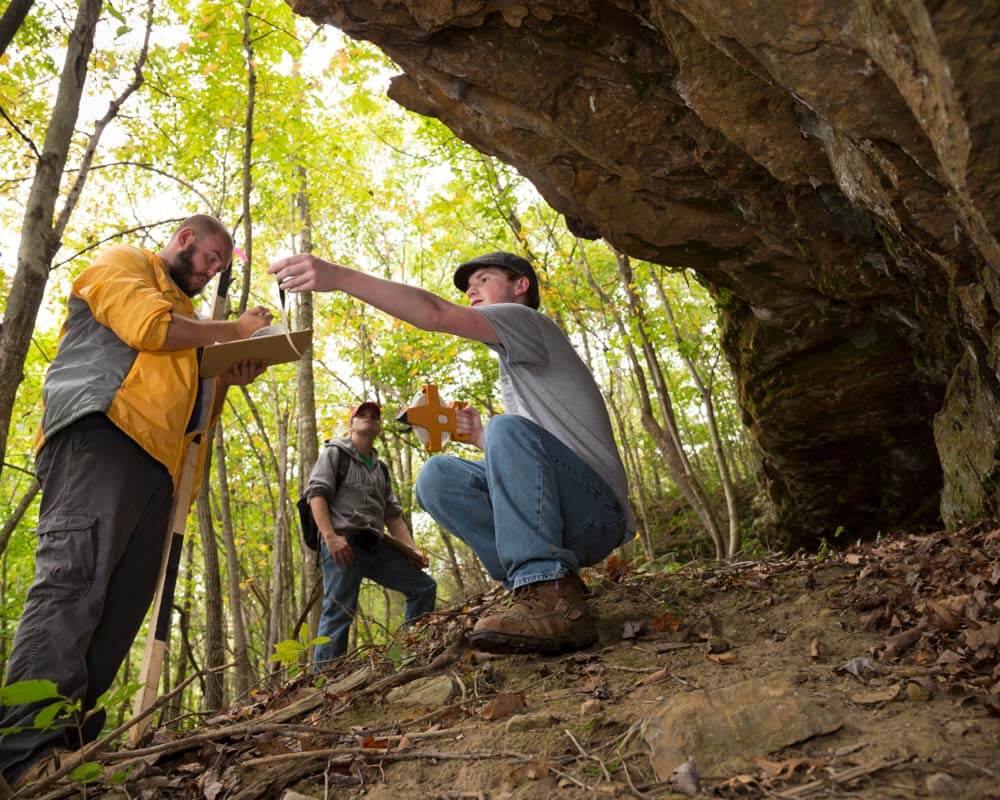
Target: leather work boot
x=543 y=617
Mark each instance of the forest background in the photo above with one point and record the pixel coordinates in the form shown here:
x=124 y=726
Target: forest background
x=283 y=131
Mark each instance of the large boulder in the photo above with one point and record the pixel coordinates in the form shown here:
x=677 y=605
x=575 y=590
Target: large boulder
x=829 y=169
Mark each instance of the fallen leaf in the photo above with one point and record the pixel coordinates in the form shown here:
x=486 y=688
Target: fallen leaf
x=590 y=707
x=917 y=691
x=986 y=636
x=654 y=677
x=943 y=785
x=531 y=771
x=787 y=769
x=896 y=645
x=371 y=743
x=861 y=667
x=949 y=657
x=503 y=705
x=878 y=696
x=853 y=559
x=635 y=628
x=816 y=650
x=685 y=778
x=664 y=622
x=992 y=704
x=722 y=658
x=942 y=617
x=617 y=568
x=741 y=784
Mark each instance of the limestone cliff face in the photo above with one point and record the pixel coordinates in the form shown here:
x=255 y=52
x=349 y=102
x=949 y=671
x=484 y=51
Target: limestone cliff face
x=830 y=168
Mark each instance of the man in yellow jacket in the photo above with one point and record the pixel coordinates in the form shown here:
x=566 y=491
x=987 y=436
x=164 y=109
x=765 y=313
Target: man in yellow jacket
x=122 y=400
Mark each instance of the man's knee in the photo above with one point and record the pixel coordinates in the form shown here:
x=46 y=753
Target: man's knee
x=505 y=428
x=433 y=480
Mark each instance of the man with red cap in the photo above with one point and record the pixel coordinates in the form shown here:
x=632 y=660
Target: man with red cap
x=351 y=499
x=550 y=495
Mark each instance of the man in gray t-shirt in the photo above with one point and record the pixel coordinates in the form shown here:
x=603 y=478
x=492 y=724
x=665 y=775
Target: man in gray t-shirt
x=550 y=495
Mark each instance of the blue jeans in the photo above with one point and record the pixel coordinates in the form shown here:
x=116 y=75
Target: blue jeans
x=385 y=566
x=532 y=510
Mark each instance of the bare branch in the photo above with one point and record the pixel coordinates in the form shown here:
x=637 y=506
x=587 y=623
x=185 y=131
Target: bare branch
x=116 y=235
x=18 y=514
x=149 y=167
x=8 y=465
x=20 y=133
x=275 y=26
x=95 y=137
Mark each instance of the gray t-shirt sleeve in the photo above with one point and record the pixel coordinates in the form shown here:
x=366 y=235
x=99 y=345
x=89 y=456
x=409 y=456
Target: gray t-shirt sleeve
x=323 y=478
x=521 y=336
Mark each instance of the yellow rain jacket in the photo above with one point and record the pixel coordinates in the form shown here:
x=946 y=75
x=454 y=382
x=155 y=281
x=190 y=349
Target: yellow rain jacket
x=111 y=361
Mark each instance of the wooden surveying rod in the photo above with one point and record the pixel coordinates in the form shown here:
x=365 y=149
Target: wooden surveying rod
x=163 y=600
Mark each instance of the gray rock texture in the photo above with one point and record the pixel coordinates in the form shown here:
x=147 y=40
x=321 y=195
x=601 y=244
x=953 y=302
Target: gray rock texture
x=829 y=169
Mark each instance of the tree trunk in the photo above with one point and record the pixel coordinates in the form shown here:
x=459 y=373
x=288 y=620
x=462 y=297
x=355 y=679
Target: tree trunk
x=632 y=465
x=248 y=156
x=178 y=652
x=667 y=440
x=3 y=617
x=695 y=492
x=276 y=620
x=39 y=243
x=387 y=596
x=456 y=570
x=705 y=392
x=215 y=652
x=308 y=435
x=243 y=678
x=12 y=18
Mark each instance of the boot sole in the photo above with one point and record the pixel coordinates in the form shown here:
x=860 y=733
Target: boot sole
x=506 y=643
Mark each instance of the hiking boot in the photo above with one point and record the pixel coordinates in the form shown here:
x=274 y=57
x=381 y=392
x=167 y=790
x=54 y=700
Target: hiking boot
x=543 y=617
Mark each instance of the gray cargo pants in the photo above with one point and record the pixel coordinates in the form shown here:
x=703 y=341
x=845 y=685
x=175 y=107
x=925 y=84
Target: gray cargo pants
x=104 y=515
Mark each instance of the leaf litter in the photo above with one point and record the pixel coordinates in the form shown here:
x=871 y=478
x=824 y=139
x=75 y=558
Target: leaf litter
x=902 y=633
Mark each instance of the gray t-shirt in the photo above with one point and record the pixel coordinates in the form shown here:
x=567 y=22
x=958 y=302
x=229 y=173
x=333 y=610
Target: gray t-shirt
x=542 y=378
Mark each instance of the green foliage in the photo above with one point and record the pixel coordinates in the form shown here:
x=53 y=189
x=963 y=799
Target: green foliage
x=87 y=772
x=24 y=692
x=399 y=656
x=290 y=652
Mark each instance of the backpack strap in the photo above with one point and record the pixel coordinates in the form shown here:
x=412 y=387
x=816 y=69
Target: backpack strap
x=343 y=464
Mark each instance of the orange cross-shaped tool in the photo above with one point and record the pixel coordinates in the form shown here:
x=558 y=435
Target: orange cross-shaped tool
x=434 y=417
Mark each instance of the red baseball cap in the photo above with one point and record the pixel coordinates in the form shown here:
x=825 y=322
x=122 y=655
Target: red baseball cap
x=366 y=405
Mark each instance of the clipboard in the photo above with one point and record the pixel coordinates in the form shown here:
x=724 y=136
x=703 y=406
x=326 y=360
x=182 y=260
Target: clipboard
x=272 y=349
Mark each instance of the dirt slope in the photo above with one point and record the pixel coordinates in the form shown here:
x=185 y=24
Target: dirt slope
x=916 y=617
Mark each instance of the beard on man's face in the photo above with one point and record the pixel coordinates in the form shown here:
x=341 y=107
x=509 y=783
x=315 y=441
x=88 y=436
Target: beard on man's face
x=182 y=271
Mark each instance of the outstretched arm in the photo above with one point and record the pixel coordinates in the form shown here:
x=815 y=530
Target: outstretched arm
x=303 y=273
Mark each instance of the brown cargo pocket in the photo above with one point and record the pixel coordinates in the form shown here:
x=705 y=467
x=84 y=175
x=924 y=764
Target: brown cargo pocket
x=67 y=555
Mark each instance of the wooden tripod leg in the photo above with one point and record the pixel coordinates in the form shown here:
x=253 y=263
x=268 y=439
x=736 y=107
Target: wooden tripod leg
x=159 y=628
